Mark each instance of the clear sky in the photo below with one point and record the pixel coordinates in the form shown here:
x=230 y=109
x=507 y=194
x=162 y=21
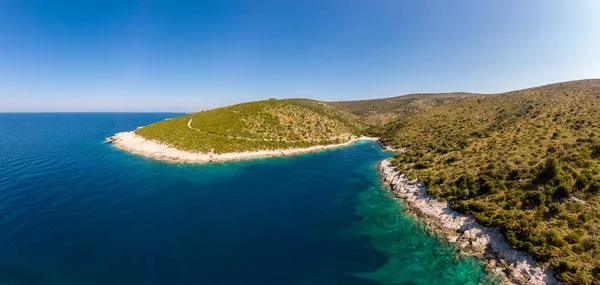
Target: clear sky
x=191 y=55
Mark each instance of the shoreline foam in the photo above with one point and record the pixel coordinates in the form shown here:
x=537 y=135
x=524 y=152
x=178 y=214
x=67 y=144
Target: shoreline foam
x=131 y=142
x=471 y=238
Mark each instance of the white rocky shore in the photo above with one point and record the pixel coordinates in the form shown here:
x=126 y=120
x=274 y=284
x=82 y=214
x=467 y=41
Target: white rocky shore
x=462 y=230
x=389 y=148
x=129 y=141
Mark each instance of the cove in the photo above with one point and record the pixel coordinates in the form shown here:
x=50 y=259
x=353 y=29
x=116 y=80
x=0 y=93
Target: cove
x=74 y=210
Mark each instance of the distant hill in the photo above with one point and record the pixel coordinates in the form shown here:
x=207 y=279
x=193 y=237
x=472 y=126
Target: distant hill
x=269 y=124
x=380 y=112
x=527 y=162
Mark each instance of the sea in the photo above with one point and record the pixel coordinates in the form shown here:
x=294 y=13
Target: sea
x=75 y=210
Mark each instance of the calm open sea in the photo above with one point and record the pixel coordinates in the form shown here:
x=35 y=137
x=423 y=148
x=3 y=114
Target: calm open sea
x=74 y=210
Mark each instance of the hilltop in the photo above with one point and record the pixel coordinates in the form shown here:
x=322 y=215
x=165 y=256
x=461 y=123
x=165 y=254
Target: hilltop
x=254 y=126
x=526 y=162
x=380 y=112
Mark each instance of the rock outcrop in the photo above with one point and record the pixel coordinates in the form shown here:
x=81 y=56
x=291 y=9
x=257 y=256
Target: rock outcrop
x=462 y=230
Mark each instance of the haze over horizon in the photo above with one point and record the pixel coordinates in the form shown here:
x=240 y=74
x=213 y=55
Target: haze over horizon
x=184 y=56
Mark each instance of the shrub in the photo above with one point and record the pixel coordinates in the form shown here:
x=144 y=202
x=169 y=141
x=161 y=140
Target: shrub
x=594 y=187
x=562 y=267
x=596 y=271
x=536 y=197
x=581 y=181
x=572 y=237
x=514 y=174
x=563 y=190
x=554 y=238
x=584 y=217
x=541 y=212
x=595 y=151
x=555 y=209
x=589 y=243
x=467 y=182
x=451 y=159
x=421 y=165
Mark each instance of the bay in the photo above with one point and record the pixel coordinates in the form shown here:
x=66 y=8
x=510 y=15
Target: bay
x=75 y=210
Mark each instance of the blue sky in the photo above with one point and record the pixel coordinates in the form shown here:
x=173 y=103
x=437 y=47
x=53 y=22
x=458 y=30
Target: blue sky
x=193 y=55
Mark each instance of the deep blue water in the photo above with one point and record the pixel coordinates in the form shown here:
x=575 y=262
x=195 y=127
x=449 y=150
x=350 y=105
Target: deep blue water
x=74 y=210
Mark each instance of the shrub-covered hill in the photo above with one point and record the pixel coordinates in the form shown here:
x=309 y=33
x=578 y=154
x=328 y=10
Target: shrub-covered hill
x=269 y=124
x=379 y=112
x=526 y=162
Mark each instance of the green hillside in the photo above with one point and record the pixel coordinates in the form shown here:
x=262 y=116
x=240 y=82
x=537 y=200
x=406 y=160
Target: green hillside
x=526 y=162
x=269 y=124
x=380 y=112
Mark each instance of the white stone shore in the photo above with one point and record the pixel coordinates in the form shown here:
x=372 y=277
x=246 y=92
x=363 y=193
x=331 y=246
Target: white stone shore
x=131 y=142
x=462 y=230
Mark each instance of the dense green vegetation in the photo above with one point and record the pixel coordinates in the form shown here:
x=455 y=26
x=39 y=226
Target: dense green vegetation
x=380 y=112
x=526 y=162
x=269 y=124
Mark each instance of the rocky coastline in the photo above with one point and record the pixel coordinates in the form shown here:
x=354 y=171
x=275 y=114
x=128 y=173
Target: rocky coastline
x=131 y=142
x=470 y=238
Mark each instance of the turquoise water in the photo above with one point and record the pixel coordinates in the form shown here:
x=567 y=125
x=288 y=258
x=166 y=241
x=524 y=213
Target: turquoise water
x=74 y=210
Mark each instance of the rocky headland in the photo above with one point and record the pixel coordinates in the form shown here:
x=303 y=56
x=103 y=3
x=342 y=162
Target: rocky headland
x=471 y=238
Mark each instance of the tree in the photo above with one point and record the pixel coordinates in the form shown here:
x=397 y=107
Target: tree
x=551 y=169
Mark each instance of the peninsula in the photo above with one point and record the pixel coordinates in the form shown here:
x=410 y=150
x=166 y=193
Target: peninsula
x=244 y=131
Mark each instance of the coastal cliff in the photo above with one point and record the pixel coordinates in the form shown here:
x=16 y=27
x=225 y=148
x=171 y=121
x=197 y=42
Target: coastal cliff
x=463 y=231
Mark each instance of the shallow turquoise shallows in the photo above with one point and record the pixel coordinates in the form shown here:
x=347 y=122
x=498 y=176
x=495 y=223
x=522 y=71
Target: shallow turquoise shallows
x=74 y=210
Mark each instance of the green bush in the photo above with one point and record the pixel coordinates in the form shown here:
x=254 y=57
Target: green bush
x=554 y=238
x=572 y=237
x=536 y=198
x=550 y=170
x=451 y=159
x=581 y=181
x=594 y=187
x=595 y=151
x=562 y=267
x=555 y=209
x=563 y=190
